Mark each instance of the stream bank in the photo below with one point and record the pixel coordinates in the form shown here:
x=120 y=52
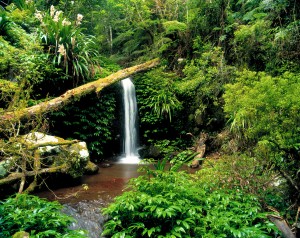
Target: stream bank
x=85 y=204
x=84 y=200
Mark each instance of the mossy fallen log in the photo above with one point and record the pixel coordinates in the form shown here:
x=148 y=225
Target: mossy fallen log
x=18 y=175
x=76 y=93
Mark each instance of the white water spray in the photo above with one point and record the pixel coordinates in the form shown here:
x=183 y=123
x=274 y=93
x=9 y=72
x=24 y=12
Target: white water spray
x=130 y=141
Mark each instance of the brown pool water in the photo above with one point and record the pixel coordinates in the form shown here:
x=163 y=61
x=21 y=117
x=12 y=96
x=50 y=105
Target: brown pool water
x=107 y=184
x=85 y=205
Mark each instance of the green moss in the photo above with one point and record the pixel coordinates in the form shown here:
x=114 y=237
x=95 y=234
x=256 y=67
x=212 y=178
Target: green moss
x=8 y=86
x=91 y=168
x=174 y=26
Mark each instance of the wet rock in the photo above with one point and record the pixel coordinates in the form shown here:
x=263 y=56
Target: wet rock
x=154 y=151
x=105 y=165
x=21 y=234
x=53 y=147
x=91 y=168
x=88 y=216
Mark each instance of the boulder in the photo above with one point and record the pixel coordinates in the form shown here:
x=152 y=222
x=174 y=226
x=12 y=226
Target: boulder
x=51 y=147
x=36 y=153
x=91 y=168
x=21 y=234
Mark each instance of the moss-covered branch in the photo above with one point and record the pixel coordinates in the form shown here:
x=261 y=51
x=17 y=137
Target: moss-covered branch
x=17 y=175
x=95 y=86
x=34 y=147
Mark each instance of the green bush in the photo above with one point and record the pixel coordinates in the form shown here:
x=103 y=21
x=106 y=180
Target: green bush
x=157 y=103
x=201 y=90
x=241 y=172
x=36 y=216
x=67 y=46
x=264 y=116
x=172 y=204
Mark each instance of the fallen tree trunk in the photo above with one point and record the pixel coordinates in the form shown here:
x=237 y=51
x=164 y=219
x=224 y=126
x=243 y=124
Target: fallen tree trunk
x=69 y=96
x=18 y=175
x=282 y=226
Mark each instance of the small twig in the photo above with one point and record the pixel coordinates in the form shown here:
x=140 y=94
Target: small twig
x=297 y=216
x=75 y=194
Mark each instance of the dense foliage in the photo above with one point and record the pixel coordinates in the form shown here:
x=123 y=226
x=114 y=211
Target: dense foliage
x=230 y=68
x=173 y=204
x=45 y=52
x=36 y=216
x=157 y=103
x=93 y=120
x=265 y=119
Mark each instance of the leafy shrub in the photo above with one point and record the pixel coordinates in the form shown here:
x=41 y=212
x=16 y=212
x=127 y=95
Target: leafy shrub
x=174 y=205
x=240 y=172
x=36 y=216
x=184 y=156
x=4 y=23
x=264 y=115
x=23 y=60
x=67 y=46
x=200 y=91
x=251 y=44
x=165 y=147
x=157 y=103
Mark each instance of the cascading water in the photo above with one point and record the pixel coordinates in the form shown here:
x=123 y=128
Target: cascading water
x=130 y=141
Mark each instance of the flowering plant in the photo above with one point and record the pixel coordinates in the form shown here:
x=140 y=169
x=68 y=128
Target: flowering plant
x=66 y=44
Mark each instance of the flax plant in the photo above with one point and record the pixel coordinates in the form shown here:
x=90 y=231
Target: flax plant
x=65 y=43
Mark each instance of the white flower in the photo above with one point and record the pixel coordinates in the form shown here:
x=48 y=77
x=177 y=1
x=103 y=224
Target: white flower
x=56 y=16
x=65 y=22
x=28 y=1
x=79 y=19
x=73 y=41
x=38 y=15
x=52 y=11
x=61 y=49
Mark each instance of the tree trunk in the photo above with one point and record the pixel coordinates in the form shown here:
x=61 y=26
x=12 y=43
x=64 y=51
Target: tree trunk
x=18 y=175
x=282 y=226
x=95 y=86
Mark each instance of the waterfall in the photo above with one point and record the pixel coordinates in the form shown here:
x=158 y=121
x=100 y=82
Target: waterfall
x=130 y=137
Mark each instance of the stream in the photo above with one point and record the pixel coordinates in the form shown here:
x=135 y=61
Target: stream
x=85 y=200
x=85 y=205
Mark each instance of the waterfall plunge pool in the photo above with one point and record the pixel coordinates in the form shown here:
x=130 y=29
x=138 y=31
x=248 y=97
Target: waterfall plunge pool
x=85 y=205
x=107 y=184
